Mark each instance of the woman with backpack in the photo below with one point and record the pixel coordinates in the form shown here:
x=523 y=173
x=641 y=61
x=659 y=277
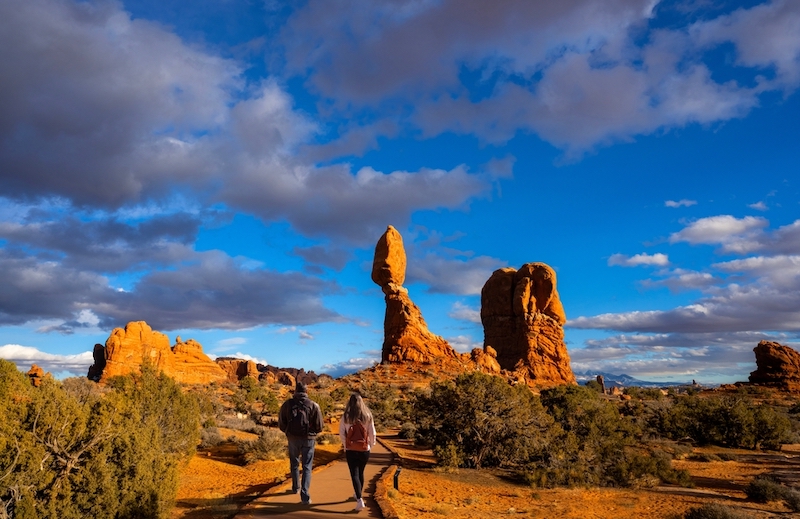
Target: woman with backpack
x=357 y=431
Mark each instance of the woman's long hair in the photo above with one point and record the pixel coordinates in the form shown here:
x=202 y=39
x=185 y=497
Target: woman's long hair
x=356 y=410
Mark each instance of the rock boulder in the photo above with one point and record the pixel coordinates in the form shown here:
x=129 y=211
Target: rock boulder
x=776 y=365
x=523 y=320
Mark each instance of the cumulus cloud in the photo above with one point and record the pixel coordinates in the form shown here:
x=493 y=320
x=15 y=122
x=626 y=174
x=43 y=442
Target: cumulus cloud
x=62 y=365
x=658 y=259
x=343 y=368
x=462 y=312
x=707 y=357
x=464 y=343
x=758 y=206
x=569 y=71
x=740 y=235
x=452 y=275
x=85 y=119
x=213 y=290
x=754 y=293
x=680 y=203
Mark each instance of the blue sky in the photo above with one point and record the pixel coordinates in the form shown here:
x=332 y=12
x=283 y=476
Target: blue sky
x=223 y=168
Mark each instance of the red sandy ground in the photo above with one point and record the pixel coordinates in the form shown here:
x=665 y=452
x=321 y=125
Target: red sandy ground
x=215 y=486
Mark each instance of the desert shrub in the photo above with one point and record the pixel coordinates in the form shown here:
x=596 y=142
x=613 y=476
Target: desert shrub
x=764 y=489
x=704 y=457
x=408 y=431
x=596 y=445
x=791 y=497
x=329 y=439
x=594 y=385
x=713 y=511
x=210 y=437
x=382 y=401
x=644 y=393
x=340 y=394
x=726 y=421
x=112 y=455
x=479 y=420
x=323 y=399
x=270 y=445
x=270 y=403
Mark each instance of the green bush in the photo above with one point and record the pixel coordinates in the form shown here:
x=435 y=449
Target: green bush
x=479 y=420
x=596 y=445
x=727 y=421
x=713 y=511
x=763 y=489
x=270 y=445
x=70 y=453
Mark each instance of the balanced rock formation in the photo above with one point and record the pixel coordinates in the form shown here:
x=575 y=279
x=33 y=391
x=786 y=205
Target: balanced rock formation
x=776 y=365
x=126 y=349
x=523 y=321
x=406 y=335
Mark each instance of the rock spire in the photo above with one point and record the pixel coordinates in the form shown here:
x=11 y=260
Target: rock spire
x=523 y=321
x=406 y=335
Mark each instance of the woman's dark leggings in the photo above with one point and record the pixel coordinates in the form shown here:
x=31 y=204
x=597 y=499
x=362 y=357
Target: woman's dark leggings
x=356 y=461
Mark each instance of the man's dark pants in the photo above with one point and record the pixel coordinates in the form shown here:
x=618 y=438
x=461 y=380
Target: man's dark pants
x=301 y=453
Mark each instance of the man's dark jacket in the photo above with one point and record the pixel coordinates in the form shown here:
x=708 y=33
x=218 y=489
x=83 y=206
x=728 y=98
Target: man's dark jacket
x=315 y=424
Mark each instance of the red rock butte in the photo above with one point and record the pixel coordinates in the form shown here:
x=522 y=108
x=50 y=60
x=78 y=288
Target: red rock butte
x=523 y=320
x=126 y=349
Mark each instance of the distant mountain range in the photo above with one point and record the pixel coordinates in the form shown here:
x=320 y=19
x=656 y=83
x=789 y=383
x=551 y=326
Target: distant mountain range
x=623 y=380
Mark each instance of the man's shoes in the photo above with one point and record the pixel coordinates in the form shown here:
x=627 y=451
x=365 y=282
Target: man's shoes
x=295 y=491
x=359 y=504
x=307 y=502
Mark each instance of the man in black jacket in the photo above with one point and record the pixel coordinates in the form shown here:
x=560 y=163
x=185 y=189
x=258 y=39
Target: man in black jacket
x=301 y=419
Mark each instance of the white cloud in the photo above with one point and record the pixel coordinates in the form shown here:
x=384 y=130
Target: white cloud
x=452 y=275
x=739 y=235
x=708 y=357
x=352 y=365
x=462 y=312
x=63 y=365
x=464 y=343
x=758 y=206
x=658 y=259
x=305 y=336
x=587 y=82
x=245 y=356
x=680 y=203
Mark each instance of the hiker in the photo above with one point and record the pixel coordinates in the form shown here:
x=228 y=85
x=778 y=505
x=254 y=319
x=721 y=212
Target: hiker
x=357 y=431
x=301 y=419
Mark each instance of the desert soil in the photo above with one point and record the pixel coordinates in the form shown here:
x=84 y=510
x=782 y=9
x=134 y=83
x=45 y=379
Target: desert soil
x=216 y=485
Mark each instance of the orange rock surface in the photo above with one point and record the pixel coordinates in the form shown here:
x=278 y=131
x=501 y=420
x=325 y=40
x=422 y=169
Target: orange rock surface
x=389 y=263
x=406 y=336
x=126 y=349
x=777 y=365
x=237 y=369
x=523 y=320
x=35 y=374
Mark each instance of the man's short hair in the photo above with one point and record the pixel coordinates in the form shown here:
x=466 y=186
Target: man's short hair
x=300 y=388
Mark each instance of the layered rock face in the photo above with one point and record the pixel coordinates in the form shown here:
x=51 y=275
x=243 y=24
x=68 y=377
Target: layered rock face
x=126 y=349
x=523 y=321
x=238 y=369
x=776 y=365
x=406 y=335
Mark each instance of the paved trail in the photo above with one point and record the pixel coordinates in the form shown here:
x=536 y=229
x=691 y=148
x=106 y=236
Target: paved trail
x=331 y=493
